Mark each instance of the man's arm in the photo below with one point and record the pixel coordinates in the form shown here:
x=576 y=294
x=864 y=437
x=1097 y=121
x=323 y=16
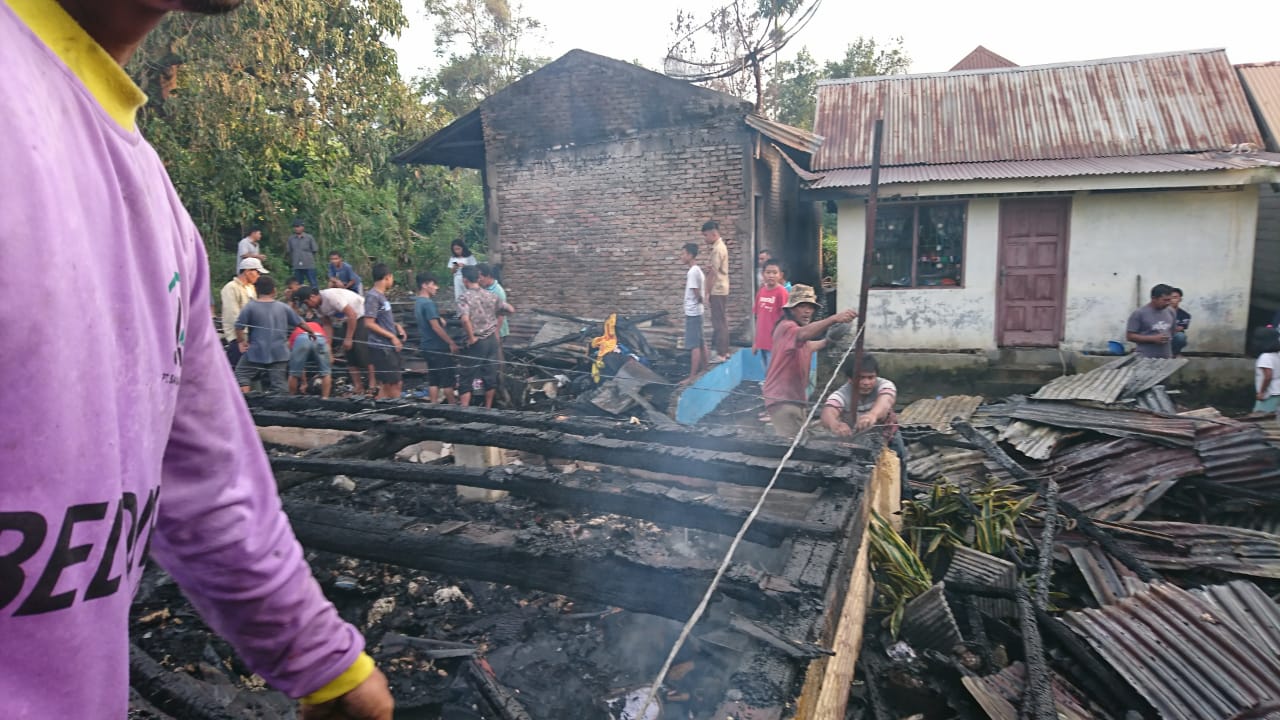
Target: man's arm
x=242 y=329
x=352 y=321
x=831 y=420
x=221 y=532
x=879 y=411
x=437 y=326
x=1132 y=335
x=372 y=323
x=819 y=327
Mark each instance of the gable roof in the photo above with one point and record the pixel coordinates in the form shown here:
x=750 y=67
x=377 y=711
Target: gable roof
x=1262 y=85
x=460 y=144
x=981 y=58
x=1145 y=105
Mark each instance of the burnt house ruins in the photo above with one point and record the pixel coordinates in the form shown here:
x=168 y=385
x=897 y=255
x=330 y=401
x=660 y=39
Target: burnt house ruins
x=595 y=172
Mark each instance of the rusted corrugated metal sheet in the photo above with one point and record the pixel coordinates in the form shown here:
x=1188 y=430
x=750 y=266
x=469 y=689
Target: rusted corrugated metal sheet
x=1186 y=546
x=1103 y=385
x=1033 y=169
x=983 y=59
x=1182 y=654
x=793 y=137
x=1118 y=479
x=1251 y=609
x=1149 y=372
x=1000 y=694
x=1108 y=580
x=938 y=413
x=1035 y=441
x=1156 y=400
x=1262 y=85
x=1119 y=423
x=1237 y=453
x=955 y=464
x=1145 y=105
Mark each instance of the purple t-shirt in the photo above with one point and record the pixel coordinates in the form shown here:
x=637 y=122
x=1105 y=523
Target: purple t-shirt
x=127 y=434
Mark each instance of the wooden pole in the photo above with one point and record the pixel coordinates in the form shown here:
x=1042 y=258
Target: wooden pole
x=868 y=252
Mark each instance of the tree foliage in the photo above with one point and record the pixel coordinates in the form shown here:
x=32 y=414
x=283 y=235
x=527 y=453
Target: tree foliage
x=793 y=84
x=294 y=108
x=482 y=43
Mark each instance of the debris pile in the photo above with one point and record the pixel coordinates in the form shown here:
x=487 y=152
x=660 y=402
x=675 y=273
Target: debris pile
x=1089 y=551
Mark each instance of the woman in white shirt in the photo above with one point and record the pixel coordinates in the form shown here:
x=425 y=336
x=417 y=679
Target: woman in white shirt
x=459 y=258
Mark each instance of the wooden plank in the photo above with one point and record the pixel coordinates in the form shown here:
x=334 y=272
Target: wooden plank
x=723 y=439
x=366 y=445
x=727 y=467
x=593 y=491
x=826 y=690
x=622 y=572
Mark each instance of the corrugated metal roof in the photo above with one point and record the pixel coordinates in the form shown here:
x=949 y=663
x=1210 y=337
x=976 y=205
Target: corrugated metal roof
x=1262 y=85
x=983 y=59
x=793 y=137
x=1032 y=169
x=1035 y=441
x=1251 y=609
x=1157 y=399
x=1195 y=546
x=1108 y=421
x=1145 y=105
x=1119 y=479
x=1102 y=385
x=938 y=413
x=957 y=465
x=1149 y=372
x=1236 y=453
x=1109 y=581
x=1182 y=654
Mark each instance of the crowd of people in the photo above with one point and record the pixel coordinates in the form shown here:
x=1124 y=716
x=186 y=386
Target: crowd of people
x=288 y=344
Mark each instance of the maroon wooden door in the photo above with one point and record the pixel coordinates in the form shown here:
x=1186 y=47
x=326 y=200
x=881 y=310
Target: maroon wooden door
x=1033 y=271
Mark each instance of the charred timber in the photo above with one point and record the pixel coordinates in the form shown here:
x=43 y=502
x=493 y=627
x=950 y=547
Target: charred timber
x=592 y=491
x=727 y=467
x=177 y=694
x=711 y=438
x=367 y=445
x=600 y=569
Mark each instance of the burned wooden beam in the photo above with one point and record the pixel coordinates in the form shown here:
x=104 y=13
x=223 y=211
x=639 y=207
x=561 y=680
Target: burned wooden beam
x=366 y=445
x=600 y=569
x=603 y=491
x=735 y=468
x=709 y=438
x=175 y=693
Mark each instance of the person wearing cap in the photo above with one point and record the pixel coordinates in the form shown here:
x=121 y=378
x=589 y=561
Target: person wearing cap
x=302 y=250
x=235 y=295
x=795 y=339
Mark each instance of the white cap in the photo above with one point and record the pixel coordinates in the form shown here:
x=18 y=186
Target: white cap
x=253 y=264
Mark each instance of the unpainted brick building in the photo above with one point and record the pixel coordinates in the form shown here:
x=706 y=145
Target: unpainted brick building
x=596 y=171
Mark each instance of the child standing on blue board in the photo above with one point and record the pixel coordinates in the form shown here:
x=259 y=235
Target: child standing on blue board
x=695 y=283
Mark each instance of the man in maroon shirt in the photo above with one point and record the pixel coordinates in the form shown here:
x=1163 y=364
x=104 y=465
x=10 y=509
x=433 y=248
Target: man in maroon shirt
x=795 y=339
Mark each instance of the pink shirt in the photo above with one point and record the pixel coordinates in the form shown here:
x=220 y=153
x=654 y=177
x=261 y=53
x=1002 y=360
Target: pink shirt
x=788 y=378
x=768 y=310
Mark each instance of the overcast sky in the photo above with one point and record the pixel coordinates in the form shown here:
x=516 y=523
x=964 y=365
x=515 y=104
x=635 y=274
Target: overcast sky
x=936 y=33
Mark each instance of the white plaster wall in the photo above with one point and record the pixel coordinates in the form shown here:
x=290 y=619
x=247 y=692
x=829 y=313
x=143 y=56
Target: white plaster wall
x=936 y=318
x=1200 y=241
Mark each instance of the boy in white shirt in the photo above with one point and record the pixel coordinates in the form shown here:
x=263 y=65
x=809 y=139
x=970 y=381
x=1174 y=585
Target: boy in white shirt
x=695 y=284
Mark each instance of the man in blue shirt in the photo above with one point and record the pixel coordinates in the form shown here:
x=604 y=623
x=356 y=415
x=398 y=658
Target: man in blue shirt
x=343 y=272
x=438 y=347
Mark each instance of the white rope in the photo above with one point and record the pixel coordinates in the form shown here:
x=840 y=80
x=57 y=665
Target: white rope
x=737 y=539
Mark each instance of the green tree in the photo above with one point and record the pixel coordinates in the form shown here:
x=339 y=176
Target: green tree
x=482 y=42
x=793 y=85
x=292 y=108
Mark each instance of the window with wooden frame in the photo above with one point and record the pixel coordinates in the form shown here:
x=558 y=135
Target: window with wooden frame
x=919 y=245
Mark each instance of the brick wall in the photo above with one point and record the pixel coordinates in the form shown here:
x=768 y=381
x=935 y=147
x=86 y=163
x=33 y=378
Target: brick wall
x=1266 y=261
x=594 y=229
x=600 y=171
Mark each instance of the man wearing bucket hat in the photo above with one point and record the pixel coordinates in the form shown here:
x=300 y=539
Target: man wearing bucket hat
x=235 y=295
x=795 y=339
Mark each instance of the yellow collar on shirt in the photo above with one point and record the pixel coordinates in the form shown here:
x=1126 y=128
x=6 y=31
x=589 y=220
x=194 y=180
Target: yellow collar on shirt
x=99 y=72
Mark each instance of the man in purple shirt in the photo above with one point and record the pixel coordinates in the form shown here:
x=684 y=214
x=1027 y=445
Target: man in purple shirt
x=144 y=446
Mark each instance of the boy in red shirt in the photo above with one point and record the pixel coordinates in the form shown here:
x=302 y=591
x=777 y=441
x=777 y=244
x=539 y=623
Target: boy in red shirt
x=770 y=300
x=304 y=348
